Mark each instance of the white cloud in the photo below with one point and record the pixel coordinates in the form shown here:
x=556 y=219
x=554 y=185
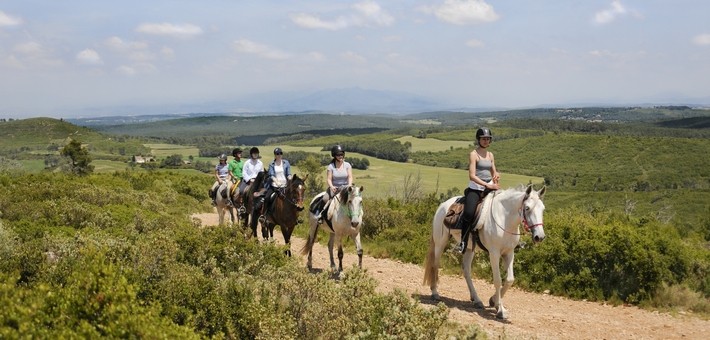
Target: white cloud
x=354 y=57
x=702 y=39
x=372 y=12
x=316 y=56
x=367 y=13
x=463 y=12
x=248 y=46
x=126 y=70
x=89 y=56
x=474 y=43
x=118 y=44
x=610 y=14
x=172 y=30
x=7 y=20
x=29 y=48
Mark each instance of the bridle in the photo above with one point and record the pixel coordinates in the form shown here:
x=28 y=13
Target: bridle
x=349 y=211
x=523 y=216
x=298 y=201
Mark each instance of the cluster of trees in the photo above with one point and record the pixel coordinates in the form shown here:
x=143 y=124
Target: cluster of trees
x=387 y=149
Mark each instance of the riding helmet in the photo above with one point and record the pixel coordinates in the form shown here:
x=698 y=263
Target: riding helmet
x=336 y=149
x=254 y=150
x=278 y=151
x=483 y=132
x=236 y=151
x=223 y=157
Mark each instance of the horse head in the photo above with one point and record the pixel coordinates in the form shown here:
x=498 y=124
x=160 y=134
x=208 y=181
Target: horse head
x=296 y=188
x=352 y=198
x=531 y=213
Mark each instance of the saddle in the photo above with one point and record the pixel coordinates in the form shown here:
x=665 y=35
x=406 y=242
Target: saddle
x=456 y=209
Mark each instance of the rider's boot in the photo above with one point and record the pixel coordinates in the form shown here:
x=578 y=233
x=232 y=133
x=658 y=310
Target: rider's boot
x=214 y=197
x=465 y=226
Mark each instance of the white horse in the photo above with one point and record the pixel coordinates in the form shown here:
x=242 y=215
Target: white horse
x=346 y=211
x=221 y=203
x=497 y=231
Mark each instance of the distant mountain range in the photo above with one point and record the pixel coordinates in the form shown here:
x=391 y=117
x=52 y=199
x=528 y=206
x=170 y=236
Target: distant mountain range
x=353 y=100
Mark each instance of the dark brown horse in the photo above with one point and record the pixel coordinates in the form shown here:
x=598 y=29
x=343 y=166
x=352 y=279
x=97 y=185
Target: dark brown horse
x=246 y=209
x=286 y=205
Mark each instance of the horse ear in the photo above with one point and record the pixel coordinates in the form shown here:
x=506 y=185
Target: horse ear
x=541 y=192
x=362 y=188
x=305 y=178
x=528 y=191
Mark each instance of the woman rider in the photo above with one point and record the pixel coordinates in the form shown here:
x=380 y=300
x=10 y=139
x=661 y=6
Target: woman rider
x=221 y=173
x=339 y=174
x=483 y=177
x=279 y=173
x=252 y=167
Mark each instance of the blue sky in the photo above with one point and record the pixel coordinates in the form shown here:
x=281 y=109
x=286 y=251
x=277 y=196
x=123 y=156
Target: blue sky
x=63 y=57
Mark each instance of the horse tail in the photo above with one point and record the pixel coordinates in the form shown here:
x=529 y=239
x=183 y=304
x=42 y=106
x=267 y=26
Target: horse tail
x=309 y=242
x=431 y=268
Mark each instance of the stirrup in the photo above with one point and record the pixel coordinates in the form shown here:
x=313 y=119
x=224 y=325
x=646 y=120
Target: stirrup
x=461 y=248
x=262 y=219
x=214 y=203
x=241 y=209
x=229 y=203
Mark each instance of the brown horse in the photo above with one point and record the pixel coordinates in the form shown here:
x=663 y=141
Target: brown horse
x=285 y=207
x=246 y=209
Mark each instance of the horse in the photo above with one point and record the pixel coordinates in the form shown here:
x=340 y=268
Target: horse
x=497 y=232
x=222 y=205
x=247 y=214
x=285 y=207
x=346 y=220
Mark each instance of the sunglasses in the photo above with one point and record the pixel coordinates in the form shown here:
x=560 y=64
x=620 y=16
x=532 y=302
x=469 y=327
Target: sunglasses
x=339 y=154
x=278 y=153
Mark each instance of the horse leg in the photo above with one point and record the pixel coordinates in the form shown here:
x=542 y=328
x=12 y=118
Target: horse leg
x=466 y=266
x=495 y=300
x=286 y=231
x=509 y=276
x=331 y=242
x=358 y=245
x=340 y=257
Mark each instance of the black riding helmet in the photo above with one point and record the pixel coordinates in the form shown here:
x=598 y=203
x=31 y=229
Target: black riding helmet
x=223 y=157
x=236 y=151
x=336 y=149
x=483 y=132
x=278 y=151
x=254 y=150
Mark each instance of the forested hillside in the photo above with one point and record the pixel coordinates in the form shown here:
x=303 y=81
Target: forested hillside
x=627 y=218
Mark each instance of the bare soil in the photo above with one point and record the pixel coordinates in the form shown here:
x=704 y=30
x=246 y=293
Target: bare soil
x=531 y=315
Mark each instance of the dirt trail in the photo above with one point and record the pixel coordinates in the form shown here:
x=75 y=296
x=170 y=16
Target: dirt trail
x=531 y=316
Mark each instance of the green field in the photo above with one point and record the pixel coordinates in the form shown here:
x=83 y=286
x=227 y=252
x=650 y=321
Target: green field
x=386 y=178
x=433 y=144
x=165 y=150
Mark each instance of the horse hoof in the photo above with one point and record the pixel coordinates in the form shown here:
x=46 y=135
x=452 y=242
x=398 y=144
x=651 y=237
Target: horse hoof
x=478 y=305
x=435 y=297
x=501 y=315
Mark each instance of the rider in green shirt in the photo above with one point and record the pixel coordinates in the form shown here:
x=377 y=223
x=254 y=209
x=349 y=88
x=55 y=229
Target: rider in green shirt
x=236 y=165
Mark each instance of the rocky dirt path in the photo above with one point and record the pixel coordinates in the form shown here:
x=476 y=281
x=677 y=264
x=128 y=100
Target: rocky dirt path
x=531 y=316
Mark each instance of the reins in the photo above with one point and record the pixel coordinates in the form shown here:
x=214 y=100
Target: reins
x=527 y=227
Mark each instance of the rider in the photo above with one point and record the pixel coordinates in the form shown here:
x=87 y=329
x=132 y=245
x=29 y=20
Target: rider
x=279 y=173
x=339 y=174
x=235 y=168
x=483 y=177
x=252 y=167
x=221 y=173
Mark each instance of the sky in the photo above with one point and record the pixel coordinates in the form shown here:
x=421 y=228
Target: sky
x=60 y=58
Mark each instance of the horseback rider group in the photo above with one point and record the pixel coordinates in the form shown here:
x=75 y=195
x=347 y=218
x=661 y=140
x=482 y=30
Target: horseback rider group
x=482 y=173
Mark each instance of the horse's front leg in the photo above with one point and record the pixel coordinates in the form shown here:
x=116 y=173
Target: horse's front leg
x=495 y=300
x=358 y=246
x=331 y=243
x=340 y=257
x=466 y=266
x=509 y=276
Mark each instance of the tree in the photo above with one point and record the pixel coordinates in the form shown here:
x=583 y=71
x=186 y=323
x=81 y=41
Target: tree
x=173 y=161
x=313 y=169
x=79 y=156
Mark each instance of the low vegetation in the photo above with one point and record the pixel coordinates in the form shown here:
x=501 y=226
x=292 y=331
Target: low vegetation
x=116 y=255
